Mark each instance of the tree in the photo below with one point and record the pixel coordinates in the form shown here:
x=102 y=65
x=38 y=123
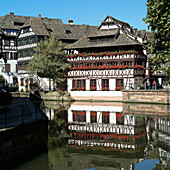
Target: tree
x=49 y=60
x=2 y=80
x=158 y=18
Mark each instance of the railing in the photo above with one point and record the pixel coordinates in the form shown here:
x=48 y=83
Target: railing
x=24 y=112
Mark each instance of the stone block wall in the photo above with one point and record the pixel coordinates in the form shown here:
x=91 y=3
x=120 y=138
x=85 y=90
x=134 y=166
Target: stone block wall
x=157 y=96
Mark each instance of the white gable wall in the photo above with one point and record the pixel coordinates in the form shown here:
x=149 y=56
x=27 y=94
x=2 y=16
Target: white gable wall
x=108 y=26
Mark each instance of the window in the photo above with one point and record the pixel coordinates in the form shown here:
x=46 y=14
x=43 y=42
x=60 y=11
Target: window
x=5 y=55
x=129 y=63
x=31 y=80
x=33 y=40
x=26 y=29
x=22 y=81
x=105 y=117
x=119 y=119
x=93 y=117
x=79 y=116
x=18 y=23
x=112 y=63
x=27 y=41
x=93 y=84
x=6 y=42
x=27 y=53
x=105 y=83
x=68 y=31
x=7 y=68
x=99 y=64
x=79 y=84
x=13 y=56
x=119 y=83
x=49 y=30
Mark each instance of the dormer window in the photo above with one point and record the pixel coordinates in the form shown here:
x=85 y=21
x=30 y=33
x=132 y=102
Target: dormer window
x=26 y=29
x=18 y=23
x=49 y=30
x=68 y=31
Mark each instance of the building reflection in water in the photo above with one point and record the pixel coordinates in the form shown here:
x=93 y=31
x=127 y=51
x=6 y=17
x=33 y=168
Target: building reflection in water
x=124 y=135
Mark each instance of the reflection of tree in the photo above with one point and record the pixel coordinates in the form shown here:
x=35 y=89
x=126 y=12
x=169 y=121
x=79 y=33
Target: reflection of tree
x=56 y=133
x=55 y=156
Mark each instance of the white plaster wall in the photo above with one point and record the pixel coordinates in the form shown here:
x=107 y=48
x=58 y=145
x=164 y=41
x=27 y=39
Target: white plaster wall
x=69 y=84
x=94 y=108
x=88 y=84
x=70 y=115
x=88 y=116
x=12 y=70
x=113 y=118
x=112 y=84
x=96 y=93
x=111 y=26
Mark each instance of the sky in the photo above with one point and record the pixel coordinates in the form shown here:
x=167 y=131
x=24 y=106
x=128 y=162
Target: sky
x=89 y=12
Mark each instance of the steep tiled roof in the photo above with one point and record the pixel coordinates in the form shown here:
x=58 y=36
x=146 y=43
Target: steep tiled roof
x=62 y=31
x=121 y=35
x=104 y=33
x=66 y=31
x=43 y=26
x=37 y=25
x=121 y=40
x=8 y=21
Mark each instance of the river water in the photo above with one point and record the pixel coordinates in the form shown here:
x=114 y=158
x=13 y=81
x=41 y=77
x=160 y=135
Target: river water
x=105 y=136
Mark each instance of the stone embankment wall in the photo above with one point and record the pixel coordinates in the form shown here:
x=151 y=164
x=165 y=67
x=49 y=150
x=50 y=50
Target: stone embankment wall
x=22 y=143
x=146 y=109
x=157 y=96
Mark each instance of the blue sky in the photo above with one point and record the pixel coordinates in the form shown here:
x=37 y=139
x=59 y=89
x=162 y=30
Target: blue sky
x=81 y=11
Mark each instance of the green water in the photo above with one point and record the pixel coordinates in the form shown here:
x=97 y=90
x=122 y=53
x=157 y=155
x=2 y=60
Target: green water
x=105 y=136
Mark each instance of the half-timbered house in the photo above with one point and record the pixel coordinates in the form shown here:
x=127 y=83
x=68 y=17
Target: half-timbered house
x=36 y=29
x=107 y=61
x=10 y=25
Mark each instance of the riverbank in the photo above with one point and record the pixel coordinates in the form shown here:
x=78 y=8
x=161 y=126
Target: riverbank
x=146 y=96
x=127 y=96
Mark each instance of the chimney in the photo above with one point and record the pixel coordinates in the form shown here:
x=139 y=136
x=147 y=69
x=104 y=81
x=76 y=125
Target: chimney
x=39 y=16
x=45 y=17
x=11 y=13
x=135 y=31
x=70 y=22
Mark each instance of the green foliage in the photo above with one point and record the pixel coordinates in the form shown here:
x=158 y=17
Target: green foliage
x=158 y=19
x=49 y=60
x=2 y=80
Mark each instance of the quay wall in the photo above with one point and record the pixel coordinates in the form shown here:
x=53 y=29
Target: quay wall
x=147 y=96
x=23 y=142
x=147 y=109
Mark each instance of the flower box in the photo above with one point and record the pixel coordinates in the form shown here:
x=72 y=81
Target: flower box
x=92 y=88
x=118 y=89
x=81 y=88
x=105 y=88
x=103 y=54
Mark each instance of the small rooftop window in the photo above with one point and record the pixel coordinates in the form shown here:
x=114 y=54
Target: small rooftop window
x=49 y=30
x=68 y=31
x=18 y=23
